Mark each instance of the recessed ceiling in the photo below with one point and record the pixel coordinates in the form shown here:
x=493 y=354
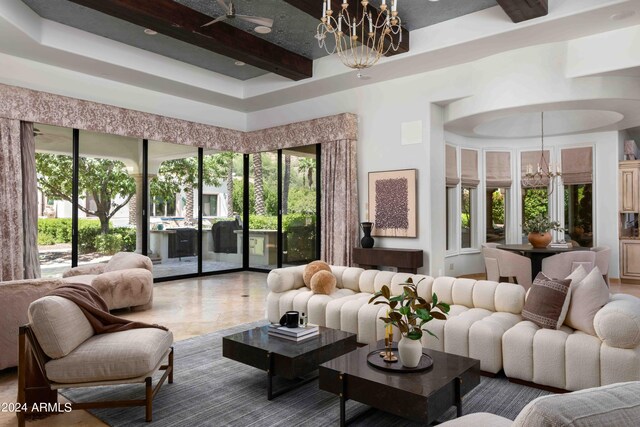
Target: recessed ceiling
x=526 y=125
x=293 y=29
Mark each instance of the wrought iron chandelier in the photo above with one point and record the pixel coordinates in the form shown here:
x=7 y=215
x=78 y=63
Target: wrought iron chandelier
x=360 y=38
x=544 y=175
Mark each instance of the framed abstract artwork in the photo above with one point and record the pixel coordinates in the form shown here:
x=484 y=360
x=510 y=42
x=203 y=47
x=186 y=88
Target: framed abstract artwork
x=392 y=203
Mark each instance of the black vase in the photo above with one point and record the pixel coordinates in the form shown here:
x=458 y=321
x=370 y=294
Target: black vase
x=367 y=240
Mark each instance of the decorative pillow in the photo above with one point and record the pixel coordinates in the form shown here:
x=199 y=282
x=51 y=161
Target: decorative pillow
x=323 y=282
x=312 y=268
x=587 y=297
x=547 y=302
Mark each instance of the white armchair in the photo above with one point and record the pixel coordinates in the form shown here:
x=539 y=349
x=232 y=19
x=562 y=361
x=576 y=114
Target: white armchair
x=563 y=264
x=504 y=265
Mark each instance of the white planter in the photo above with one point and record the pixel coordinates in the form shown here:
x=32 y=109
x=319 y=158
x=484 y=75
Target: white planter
x=410 y=352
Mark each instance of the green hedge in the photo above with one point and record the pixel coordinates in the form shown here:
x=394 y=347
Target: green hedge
x=90 y=239
x=268 y=222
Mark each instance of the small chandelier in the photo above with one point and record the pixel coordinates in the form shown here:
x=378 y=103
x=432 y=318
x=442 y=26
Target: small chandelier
x=544 y=175
x=360 y=41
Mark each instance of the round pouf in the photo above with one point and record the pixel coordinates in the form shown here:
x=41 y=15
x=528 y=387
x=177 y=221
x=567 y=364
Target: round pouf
x=410 y=352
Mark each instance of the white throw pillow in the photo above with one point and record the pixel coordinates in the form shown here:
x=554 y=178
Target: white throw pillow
x=588 y=296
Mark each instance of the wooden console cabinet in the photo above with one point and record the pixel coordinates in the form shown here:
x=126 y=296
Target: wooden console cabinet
x=405 y=260
x=629 y=214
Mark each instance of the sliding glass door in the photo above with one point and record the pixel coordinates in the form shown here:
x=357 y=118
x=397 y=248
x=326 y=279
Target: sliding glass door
x=192 y=211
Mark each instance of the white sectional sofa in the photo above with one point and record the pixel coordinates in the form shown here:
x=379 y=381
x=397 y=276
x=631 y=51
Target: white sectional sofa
x=484 y=323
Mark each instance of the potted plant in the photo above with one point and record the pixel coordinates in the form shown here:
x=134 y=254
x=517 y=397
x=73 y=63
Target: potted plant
x=538 y=229
x=409 y=313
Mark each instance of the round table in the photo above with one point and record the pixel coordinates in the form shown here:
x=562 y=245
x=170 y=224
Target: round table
x=538 y=254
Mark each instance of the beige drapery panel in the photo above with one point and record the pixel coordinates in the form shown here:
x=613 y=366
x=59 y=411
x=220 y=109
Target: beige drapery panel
x=11 y=222
x=339 y=200
x=577 y=165
x=452 y=177
x=29 y=201
x=469 y=166
x=529 y=162
x=498 y=169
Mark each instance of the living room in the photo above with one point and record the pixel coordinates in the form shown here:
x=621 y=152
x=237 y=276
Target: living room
x=236 y=159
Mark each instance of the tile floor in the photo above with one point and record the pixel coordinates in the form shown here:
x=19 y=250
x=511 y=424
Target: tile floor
x=190 y=308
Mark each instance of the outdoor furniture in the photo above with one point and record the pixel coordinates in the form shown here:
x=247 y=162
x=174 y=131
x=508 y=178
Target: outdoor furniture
x=69 y=355
x=537 y=254
x=420 y=396
x=183 y=243
x=561 y=265
x=502 y=266
x=284 y=358
x=224 y=238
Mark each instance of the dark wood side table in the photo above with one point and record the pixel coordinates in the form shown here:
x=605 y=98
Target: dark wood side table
x=284 y=358
x=421 y=396
x=405 y=260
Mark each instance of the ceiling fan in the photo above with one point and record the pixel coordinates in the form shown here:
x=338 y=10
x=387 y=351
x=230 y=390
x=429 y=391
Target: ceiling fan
x=231 y=14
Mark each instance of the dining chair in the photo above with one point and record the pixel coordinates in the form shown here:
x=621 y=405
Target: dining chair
x=603 y=255
x=563 y=264
x=503 y=266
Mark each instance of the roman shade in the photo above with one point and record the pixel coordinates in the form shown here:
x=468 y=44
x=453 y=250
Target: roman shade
x=498 y=169
x=529 y=162
x=451 y=166
x=577 y=165
x=469 y=165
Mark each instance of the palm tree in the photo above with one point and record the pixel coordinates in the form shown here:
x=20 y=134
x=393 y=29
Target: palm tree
x=306 y=167
x=257 y=182
x=285 y=184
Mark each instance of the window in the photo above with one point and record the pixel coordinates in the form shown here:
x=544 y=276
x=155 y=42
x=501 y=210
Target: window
x=466 y=217
x=496 y=217
x=162 y=207
x=452 y=181
x=577 y=176
x=210 y=205
x=469 y=182
x=535 y=193
x=535 y=202
x=497 y=183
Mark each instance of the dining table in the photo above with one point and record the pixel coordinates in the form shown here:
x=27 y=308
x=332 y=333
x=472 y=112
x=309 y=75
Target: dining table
x=536 y=255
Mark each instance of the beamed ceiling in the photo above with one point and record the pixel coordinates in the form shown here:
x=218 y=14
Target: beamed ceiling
x=289 y=50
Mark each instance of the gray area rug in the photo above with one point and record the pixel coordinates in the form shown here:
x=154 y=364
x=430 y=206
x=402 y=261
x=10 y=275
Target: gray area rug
x=209 y=390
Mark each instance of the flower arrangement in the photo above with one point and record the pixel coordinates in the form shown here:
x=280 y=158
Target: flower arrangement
x=410 y=312
x=540 y=224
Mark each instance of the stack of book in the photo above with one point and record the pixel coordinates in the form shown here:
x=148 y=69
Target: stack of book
x=561 y=245
x=294 y=334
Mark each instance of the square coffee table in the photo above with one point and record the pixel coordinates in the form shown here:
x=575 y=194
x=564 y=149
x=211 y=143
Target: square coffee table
x=420 y=396
x=285 y=358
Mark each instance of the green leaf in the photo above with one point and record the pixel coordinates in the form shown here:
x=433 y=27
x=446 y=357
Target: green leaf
x=444 y=307
x=431 y=333
x=415 y=334
x=398 y=298
x=434 y=299
x=405 y=310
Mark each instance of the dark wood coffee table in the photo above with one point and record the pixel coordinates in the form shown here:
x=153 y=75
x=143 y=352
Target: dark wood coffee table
x=284 y=358
x=422 y=396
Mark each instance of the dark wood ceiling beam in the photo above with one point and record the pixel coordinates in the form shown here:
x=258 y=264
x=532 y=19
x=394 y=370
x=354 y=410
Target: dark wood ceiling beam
x=180 y=22
x=314 y=8
x=523 y=10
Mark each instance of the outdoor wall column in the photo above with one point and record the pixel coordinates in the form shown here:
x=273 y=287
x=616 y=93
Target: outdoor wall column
x=137 y=214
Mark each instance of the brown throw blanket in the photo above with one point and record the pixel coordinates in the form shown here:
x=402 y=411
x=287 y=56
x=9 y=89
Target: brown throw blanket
x=95 y=310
